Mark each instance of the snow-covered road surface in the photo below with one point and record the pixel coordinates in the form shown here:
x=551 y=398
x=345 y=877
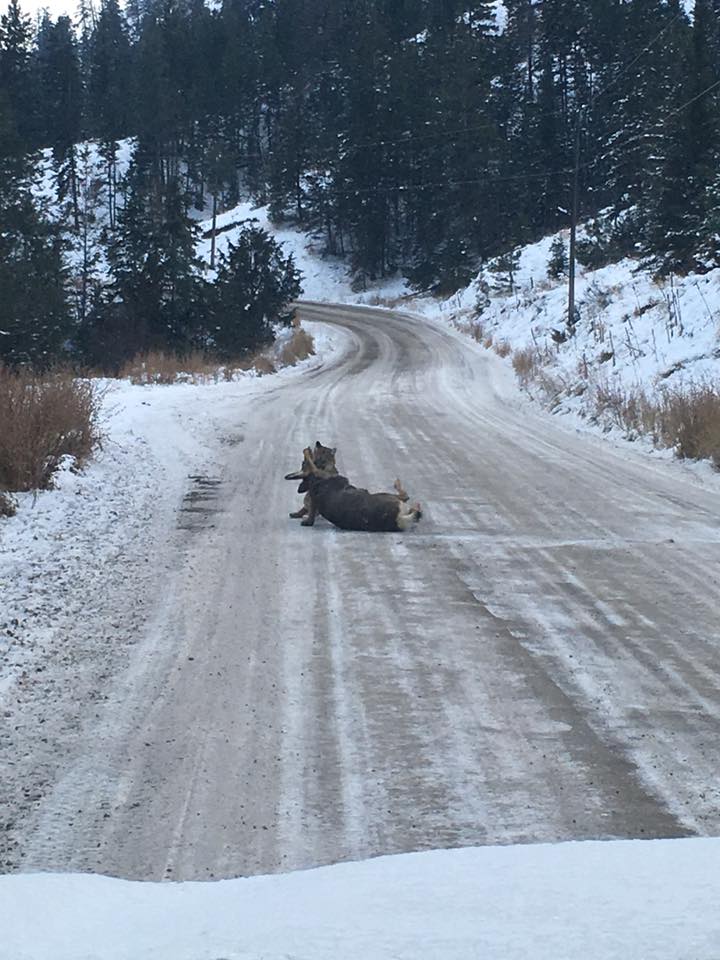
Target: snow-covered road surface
x=537 y=661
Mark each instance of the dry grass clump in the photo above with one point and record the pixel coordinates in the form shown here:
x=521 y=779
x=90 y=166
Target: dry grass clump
x=165 y=368
x=44 y=418
x=299 y=347
x=502 y=348
x=631 y=410
x=263 y=365
x=527 y=364
x=691 y=422
x=158 y=367
x=684 y=419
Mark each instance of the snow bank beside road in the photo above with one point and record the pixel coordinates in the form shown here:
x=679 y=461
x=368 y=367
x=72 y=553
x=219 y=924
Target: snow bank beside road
x=596 y=900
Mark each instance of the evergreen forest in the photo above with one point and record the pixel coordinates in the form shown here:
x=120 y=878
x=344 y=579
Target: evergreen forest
x=420 y=137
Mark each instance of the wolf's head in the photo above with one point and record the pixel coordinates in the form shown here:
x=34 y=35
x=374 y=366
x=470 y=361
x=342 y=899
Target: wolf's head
x=319 y=461
x=324 y=458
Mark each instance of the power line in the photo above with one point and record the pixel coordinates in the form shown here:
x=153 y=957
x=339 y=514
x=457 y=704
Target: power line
x=692 y=100
x=412 y=188
x=608 y=86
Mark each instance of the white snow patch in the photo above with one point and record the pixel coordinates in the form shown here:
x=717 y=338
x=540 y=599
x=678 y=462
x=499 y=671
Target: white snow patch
x=597 y=900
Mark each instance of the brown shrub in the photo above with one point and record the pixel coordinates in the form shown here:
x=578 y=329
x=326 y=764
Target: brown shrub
x=685 y=419
x=502 y=348
x=299 y=347
x=691 y=422
x=43 y=419
x=158 y=367
x=632 y=411
x=263 y=365
x=527 y=363
x=165 y=368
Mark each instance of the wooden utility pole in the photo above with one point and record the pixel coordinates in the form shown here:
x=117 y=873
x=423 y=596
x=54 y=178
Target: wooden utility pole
x=573 y=224
x=213 y=231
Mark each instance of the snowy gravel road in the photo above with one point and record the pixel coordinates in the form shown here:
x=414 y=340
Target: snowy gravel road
x=538 y=660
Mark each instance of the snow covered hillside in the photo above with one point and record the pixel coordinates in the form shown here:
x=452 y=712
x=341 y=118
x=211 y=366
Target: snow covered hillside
x=323 y=278
x=635 y=331
x=600 y=901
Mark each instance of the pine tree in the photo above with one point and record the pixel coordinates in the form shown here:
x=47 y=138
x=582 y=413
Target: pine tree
x=108 y=91
x=16 y=77
x=256 y=282
x=59 y=78
x=157 y=288
x=637 y=91
x=34 y=317
x=703 y=126
x=88 y=281
x=669 y=213
x=558 y=262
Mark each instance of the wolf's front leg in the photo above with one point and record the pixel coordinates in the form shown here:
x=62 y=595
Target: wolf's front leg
x=311 y=514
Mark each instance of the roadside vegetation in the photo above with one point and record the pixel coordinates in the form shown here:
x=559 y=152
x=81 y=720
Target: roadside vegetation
x=160 y=367
x=687 y=420
x=48 y=416
x=684 y=419
x=44 y=419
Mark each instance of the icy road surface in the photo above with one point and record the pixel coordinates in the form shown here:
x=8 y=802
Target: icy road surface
x=538 y=660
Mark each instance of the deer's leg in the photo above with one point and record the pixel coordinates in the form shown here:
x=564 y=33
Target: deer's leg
x=304 y=509
x=400 y=490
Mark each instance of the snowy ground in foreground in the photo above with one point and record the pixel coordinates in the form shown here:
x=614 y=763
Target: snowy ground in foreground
x=618 y=900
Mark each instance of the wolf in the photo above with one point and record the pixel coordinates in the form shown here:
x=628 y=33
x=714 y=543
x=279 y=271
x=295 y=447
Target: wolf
x=352 y=508
x=324 y=459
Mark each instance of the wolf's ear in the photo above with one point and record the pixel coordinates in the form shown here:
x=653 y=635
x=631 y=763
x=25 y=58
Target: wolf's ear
x=318 y=445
